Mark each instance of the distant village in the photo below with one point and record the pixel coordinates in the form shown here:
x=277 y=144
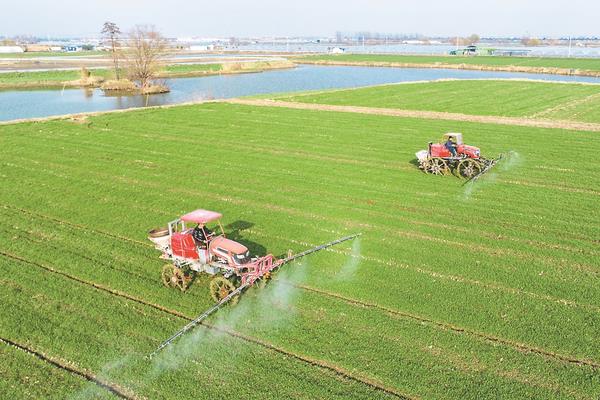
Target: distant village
x=470 y=45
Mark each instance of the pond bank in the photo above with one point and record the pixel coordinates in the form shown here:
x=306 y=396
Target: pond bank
x=471 y=67
x=173 y=71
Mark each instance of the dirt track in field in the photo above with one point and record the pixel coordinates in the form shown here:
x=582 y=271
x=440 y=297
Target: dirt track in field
x=118 y=391
x=485 y=119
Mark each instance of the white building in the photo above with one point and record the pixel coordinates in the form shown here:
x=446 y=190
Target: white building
x=11 y=49
x=207 y=47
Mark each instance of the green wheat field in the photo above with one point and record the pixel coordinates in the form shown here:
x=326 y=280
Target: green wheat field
x=454 y=291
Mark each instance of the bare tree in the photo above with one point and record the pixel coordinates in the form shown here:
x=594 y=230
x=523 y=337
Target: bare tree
x=528 y=41
x=473 y=39
x=8 y=42
x=111 y=31
x=146 y=46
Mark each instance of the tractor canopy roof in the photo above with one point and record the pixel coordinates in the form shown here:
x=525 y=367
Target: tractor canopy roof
x=201 y=216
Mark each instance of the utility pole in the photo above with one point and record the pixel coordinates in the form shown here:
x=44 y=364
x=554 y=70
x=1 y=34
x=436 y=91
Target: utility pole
x=569 y=46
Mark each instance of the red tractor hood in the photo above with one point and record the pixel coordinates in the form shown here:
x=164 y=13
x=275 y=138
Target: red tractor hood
x=226 y=244
x=470 y=151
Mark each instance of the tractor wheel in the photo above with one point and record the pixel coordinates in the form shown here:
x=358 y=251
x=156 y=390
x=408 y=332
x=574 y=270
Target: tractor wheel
x=437 y=166
x=168 y=275
x=468 y=168
x=220 y=287
x=184 y=279
x=175 y=277
x=180 y=280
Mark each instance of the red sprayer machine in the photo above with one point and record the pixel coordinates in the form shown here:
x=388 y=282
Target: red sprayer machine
x=452 y=155
x=192 y=247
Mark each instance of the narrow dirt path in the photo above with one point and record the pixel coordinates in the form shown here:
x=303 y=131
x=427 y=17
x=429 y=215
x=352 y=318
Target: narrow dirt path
x=69 y=368
x=485 y=119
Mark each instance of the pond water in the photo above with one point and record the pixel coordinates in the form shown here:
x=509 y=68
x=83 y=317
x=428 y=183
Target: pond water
x=16 y=104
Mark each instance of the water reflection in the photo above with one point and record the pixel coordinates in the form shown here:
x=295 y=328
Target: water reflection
x=16 y=104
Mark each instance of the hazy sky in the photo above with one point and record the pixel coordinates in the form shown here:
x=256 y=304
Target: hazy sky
x=305 y=17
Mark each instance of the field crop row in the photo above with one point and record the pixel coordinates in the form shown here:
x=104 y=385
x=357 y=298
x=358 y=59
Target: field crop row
x=476 y=97
x=549 y=249
x=527 y=257
x=510 y=275
x=86 y=326
x=263 y=309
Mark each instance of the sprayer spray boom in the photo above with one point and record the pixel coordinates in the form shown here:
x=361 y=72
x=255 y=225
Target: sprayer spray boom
x=245 y=285
x=487 y=165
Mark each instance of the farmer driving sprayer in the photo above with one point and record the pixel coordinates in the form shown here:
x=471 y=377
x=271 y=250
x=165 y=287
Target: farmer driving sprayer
x=452 y=155
x=451 y=146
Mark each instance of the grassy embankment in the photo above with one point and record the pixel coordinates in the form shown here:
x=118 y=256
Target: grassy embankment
x=488 y=290
x=563 y=66
x=561 y=101
x=56 y=79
